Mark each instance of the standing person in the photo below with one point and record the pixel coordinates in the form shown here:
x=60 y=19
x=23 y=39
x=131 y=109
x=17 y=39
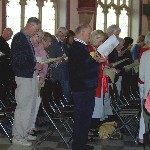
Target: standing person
x=59 y=72
x=136 y=48
x=135 y=51
x=115 y=56
x=5 y=68
x=96 y=39
x=40 y=42
x=69 y=40
x=144 y=71
x=141 y=84
x=83 y=71
x=24 y=64
x=127 y=75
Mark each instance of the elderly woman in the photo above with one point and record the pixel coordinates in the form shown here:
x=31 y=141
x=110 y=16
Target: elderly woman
x=40 y=42
x=97 y=38
x=113 y=29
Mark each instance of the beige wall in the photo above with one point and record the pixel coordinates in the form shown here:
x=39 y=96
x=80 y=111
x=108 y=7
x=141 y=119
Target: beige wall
x=0 y=16
x=61 y=14
x=144 y=21
x=74 y=17
x=135 y=20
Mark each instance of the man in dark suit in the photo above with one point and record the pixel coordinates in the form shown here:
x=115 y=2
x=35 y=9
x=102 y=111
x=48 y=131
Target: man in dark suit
x=59 y=71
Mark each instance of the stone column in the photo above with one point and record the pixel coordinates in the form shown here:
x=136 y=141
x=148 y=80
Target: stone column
x=87 y=10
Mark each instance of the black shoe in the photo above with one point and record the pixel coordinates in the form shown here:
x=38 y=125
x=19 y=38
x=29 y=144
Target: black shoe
x=139 y=143
x=88 y=147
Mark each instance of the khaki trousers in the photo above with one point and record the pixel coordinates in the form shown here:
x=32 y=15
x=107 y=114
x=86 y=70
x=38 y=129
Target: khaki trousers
x=26 y=96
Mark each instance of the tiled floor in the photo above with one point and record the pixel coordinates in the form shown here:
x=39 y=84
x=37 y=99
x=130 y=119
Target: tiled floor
x=54 y=142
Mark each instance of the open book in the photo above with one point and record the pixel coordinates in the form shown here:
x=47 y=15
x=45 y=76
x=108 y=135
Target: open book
x=107 y=47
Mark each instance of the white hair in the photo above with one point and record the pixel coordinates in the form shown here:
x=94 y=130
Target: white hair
x=147 y=38
x=113 y=29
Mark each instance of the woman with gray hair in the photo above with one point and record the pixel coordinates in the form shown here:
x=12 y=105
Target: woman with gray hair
x=97 y=38
x=113 y=29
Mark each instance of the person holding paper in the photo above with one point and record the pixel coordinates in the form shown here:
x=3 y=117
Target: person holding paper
x=24 y=62
x=59 y=72
x=107 y=47
x=40 y=42
x=83 y=75
x=115 y=56
x=100 y=111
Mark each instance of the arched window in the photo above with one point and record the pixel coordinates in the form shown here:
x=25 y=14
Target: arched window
x=31 y=10
x=18 y=12
x=114 y=12
x=48 y=21
x=13 y=12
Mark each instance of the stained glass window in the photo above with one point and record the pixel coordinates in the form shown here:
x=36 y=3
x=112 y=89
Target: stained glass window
x=13 y=13
x=108 y=1
x=48 y=17
x=127 y=2
x=121 y=2
x=115 y=12
x=100 y=18
x=115 y=2
x=123 y=23
x=31 y=10
x=19 y=11
x=111 y=17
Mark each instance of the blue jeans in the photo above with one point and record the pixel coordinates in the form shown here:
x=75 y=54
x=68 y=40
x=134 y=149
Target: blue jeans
x=84 y=103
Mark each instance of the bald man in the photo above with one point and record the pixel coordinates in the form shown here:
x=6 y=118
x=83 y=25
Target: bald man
x=6 y=73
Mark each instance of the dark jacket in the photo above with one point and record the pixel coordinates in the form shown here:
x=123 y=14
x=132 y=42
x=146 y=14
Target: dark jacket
x=113 y=57
x=83 y=70
x=61 y=71
x=22 y=56
x=6 y=71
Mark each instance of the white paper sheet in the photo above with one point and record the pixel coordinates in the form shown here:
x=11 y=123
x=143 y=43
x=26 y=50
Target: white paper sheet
x=1 y=54
x=107 y=47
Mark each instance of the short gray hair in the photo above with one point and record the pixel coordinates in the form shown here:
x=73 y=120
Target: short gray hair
x=81 y=27
x=113 y=28
x=62 y=29
x=33 y=20
x=147 y=38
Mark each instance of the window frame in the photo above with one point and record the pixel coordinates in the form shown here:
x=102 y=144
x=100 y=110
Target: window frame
x=40 y=4
x=118 y=9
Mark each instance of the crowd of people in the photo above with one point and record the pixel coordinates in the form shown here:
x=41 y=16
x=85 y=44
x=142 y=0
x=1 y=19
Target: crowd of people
x=81 y=75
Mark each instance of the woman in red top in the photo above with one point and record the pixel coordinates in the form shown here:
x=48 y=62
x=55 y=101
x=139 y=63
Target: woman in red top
x=96 y=39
